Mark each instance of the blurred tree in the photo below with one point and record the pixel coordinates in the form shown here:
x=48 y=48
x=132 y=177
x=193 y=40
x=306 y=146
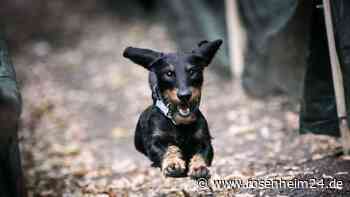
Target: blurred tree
x=11 y=177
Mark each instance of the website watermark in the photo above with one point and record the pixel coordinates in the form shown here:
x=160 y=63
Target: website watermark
x=273 y=183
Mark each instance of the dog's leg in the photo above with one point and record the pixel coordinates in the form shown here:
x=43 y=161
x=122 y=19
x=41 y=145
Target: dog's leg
x=199 y=163
x=167 y=157
x=173 y=164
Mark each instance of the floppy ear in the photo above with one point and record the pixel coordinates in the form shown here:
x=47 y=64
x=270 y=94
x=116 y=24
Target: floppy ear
x=143 y=57
x=207 y=50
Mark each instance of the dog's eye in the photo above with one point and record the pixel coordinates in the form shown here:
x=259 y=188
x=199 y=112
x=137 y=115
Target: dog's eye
x=170 y=73
x=191 y=72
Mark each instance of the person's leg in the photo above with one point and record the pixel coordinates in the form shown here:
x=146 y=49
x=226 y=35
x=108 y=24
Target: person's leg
x=318 y=108
x=11 y=177
x=341 y=21
x=11 y=181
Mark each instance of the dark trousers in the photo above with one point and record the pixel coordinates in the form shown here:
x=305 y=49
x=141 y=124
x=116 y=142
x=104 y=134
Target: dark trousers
x=318 y=108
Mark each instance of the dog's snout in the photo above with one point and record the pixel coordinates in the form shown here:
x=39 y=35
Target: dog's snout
x=184 y=95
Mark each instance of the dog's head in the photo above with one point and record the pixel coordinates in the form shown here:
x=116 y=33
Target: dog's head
x=179 y=75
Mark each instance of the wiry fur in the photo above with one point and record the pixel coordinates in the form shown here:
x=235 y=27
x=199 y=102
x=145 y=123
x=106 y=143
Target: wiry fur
x=183 y=148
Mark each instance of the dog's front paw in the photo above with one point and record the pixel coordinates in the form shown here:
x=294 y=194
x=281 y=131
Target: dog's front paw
x=198 y=168
x=201 y=171
x=174 y=167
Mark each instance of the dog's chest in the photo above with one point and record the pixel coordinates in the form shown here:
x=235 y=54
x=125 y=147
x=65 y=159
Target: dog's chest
x=182 y=137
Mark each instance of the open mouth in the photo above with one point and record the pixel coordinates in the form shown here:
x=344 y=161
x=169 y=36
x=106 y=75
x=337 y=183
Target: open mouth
x=184 y=110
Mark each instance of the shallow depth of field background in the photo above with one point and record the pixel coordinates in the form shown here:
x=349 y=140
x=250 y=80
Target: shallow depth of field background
x=82 y=101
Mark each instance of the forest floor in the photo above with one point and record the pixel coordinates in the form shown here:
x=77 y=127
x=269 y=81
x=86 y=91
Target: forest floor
x=82 y=101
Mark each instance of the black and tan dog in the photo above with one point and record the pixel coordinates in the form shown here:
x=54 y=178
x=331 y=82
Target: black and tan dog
x=173 y=133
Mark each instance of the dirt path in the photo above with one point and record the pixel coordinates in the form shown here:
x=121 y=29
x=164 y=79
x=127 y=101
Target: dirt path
x=82 y=101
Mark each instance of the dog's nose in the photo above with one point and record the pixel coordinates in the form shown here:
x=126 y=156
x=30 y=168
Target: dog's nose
x=184 y=95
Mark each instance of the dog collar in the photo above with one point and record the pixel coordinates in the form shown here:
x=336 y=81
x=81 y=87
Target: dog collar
x=165 y=110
